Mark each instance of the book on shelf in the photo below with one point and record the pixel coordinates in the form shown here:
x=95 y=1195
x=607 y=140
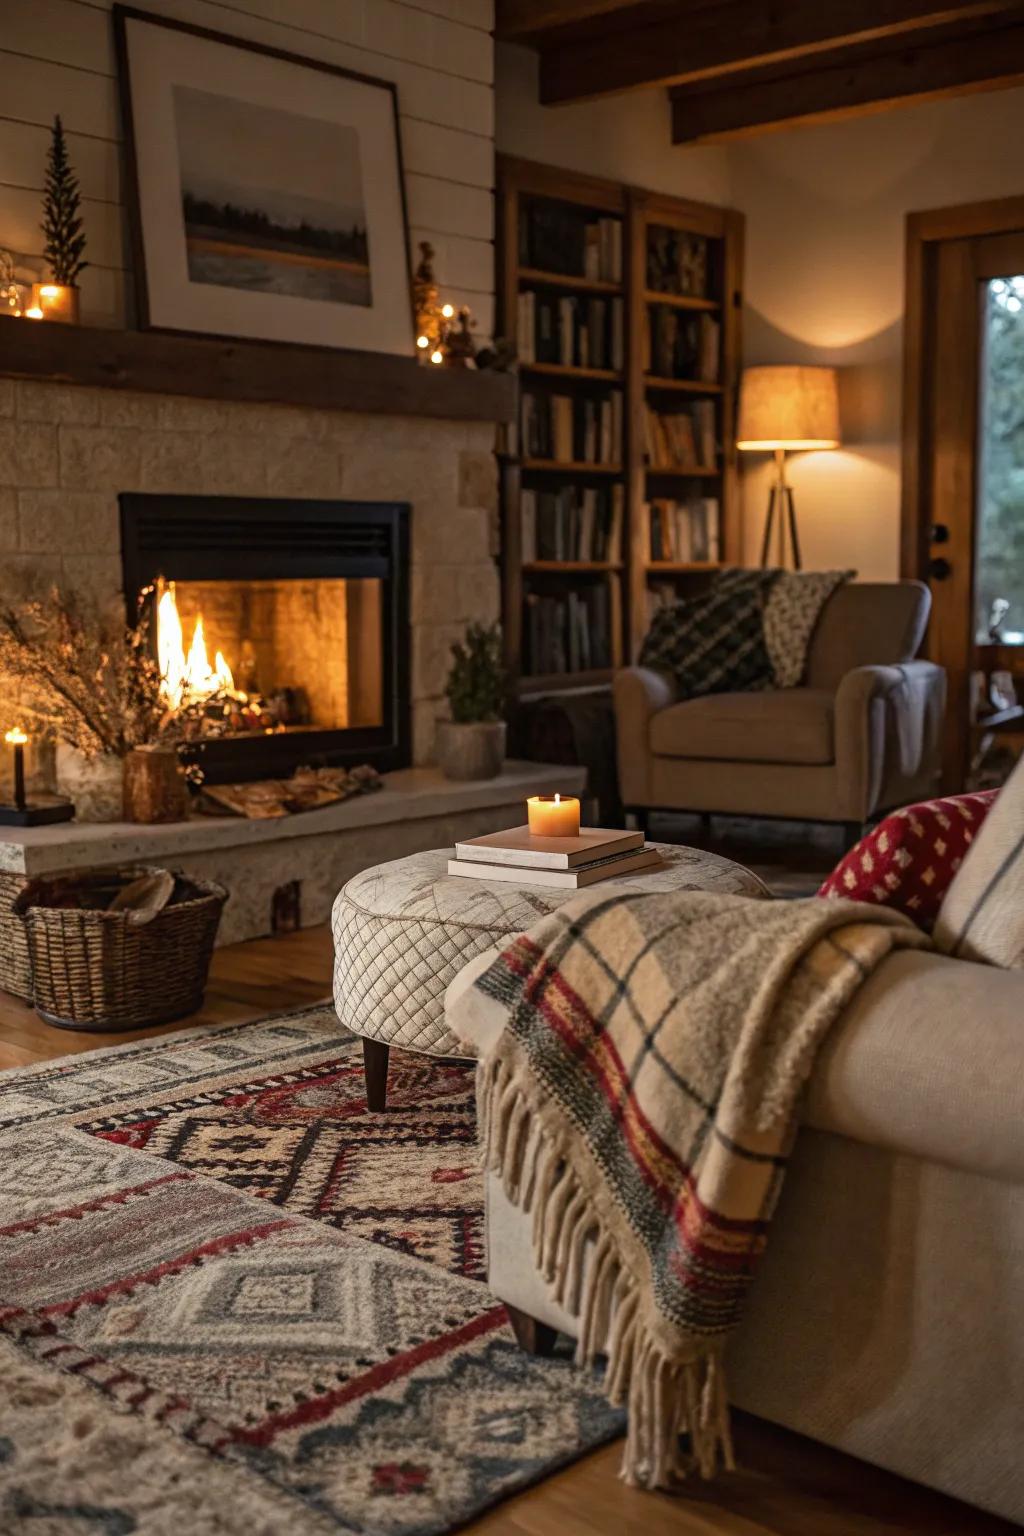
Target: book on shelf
x=681 y=346
x=570 y=332
x=562 y=879
x=568 y=631
x=686 y=532
x=677 y=262
x=572 y=429
x=518 y=845
x=683 y=438
x=572 y=523
x=569 y=241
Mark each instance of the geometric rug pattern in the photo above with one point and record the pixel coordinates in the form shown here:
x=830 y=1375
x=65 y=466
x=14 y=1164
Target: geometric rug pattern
x=218 y=1270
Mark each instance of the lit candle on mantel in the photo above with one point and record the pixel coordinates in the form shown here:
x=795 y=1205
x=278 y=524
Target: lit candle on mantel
x=16 y=738
x=553 y=815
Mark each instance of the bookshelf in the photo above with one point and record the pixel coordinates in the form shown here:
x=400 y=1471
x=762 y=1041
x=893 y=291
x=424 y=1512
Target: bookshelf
x=624 y=306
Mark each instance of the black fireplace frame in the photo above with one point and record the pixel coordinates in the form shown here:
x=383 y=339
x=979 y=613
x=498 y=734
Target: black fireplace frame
x=211 y=538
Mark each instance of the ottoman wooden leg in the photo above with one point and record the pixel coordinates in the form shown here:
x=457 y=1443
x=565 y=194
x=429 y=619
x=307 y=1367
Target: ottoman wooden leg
x=375 y=1068
x=533 y=1337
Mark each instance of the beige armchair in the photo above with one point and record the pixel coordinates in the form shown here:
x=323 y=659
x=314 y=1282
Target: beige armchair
x=861 y=736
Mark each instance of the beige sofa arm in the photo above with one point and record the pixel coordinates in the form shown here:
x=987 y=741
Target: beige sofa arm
x=639 y=693
x=888 y=724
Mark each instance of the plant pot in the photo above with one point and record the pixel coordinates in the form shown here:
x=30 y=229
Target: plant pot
x=472 y=751
x=94 y=784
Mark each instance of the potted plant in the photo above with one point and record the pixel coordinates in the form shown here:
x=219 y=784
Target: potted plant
x=62 y=227
x=471 y=745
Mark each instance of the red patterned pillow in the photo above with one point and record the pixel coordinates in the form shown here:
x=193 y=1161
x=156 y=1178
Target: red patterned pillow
x=908 y=861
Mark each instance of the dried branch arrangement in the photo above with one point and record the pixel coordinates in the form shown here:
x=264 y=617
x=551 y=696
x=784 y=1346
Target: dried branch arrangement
x=86 y=681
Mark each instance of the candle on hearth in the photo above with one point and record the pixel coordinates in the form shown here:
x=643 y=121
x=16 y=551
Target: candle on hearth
x=16 y=738
x=553 y=815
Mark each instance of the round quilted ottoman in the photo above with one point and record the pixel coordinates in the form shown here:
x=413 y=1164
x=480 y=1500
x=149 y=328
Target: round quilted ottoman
x=404 y=930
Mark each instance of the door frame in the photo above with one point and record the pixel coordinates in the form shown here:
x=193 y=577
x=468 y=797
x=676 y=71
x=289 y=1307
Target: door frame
x=925 y=232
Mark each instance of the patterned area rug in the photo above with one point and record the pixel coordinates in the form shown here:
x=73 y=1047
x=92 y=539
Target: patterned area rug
x=233 y=1300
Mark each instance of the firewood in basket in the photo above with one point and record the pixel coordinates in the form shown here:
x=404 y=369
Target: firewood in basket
x=145 y=898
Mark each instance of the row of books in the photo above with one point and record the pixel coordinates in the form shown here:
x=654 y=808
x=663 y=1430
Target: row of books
x=567 y=863
x=685 y=531
x=572 y=430
x=682 y=346
x=572 y=523
x=573 y=332
x=681 y=439
x=677 y=262
x=557 y=237
x=569 y=632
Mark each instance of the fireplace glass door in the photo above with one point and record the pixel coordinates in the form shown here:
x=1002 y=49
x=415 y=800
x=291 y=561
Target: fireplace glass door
x=274 y=655
x=281 y=627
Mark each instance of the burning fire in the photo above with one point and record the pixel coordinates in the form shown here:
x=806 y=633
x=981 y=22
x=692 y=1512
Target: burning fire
x=184 y=678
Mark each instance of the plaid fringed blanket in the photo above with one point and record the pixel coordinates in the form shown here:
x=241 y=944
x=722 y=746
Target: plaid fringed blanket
x=641 y=1100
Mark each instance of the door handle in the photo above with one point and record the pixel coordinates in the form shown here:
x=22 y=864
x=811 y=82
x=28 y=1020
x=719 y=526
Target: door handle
x=940 y=533
x=939 y=568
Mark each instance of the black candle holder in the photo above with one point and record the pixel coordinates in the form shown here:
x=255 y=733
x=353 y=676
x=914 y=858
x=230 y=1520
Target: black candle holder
x=40 y=814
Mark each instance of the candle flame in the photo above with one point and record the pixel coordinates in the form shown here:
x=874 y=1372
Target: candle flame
x=15 y=737
x=558 y=799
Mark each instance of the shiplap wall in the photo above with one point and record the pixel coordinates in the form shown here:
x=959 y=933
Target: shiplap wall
x=58 y=56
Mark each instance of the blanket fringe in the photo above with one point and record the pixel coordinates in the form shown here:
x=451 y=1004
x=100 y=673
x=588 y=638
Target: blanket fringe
x=665 y=1398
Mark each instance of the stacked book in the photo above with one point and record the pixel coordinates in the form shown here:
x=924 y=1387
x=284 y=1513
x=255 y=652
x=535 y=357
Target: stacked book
x=685 y=531
x=567 y=863
x=572 y=523
x=572 y=332
x=681 y=439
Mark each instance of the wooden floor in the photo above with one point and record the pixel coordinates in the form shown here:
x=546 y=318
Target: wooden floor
x=789 y=1486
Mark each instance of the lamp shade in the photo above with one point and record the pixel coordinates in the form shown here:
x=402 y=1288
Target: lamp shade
x=788 y=406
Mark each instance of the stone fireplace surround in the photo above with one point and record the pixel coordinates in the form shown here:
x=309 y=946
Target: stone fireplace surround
x=66 y=450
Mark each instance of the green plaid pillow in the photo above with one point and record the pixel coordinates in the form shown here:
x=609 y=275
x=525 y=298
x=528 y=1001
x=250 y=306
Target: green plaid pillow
x=714 y=643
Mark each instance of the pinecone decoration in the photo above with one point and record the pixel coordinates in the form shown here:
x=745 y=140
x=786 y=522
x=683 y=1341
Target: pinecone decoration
x=62 y=222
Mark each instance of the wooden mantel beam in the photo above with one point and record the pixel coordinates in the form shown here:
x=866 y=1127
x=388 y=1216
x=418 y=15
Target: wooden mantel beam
x=848 y=81
x=693 y=40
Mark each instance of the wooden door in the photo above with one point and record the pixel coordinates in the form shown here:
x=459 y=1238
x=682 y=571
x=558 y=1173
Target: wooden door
x=949 y=323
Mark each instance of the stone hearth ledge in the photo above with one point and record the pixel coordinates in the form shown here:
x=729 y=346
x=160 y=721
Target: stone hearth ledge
x=417 y=809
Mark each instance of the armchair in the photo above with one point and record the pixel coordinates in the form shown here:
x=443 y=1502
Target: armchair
x=861 y=736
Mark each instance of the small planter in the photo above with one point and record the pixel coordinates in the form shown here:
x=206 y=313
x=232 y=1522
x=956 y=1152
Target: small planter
x=94 y=784
x=472 y=751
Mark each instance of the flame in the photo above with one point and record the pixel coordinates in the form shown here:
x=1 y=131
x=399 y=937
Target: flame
x=185 y=678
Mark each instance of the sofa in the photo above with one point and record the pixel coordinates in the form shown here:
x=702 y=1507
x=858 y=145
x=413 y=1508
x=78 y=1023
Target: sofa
x=861 y=735
x=885 y=1317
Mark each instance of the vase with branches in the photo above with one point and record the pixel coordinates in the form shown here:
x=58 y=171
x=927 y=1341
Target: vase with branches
x=62 y=214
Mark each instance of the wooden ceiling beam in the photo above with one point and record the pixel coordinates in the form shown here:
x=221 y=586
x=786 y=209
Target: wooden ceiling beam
x=695 y=41
x=525 y=20
x=850 y=82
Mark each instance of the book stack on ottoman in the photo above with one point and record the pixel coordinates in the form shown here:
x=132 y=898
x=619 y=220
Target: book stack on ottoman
x=566 y=863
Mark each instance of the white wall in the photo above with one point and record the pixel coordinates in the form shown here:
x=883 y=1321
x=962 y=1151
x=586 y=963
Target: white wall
x=57 y=56
x=624 y=138
x=826 y=208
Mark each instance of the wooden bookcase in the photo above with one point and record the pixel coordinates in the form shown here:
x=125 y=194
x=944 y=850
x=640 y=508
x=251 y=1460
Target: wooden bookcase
x=648 y=222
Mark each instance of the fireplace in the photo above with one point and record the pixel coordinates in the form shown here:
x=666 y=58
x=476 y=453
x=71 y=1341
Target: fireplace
x=287 y=620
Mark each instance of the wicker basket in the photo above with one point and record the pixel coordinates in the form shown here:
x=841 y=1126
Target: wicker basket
x=15 y=965
x=93 y=969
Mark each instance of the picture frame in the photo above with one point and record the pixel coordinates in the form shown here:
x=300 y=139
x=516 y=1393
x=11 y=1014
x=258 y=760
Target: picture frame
x=265 y=191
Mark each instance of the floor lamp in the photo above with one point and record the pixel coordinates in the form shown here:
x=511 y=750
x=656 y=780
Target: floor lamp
x=786 y=409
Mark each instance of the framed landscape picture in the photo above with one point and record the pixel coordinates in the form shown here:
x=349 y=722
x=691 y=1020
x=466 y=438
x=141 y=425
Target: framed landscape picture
x=267 y=197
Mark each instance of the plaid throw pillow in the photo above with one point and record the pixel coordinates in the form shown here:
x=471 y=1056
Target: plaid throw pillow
x=714 y=643
x=909 y=860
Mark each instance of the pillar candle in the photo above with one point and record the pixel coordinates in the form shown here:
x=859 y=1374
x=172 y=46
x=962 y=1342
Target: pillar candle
x=16 y=738
x=553 y=815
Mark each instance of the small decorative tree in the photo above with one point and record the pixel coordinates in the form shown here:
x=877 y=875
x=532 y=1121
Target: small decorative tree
x=476 y=683
x=62 y=220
